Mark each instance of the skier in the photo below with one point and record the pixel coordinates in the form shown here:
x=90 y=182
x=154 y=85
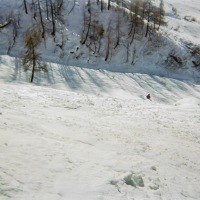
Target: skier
x=148 y=97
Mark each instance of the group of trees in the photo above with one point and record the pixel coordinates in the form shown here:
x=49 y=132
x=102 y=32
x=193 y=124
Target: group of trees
x=50 y=10
x=43 y=12
x=41 y=23
x=127 y=21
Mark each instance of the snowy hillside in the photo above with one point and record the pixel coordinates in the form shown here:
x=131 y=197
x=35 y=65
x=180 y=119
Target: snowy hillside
x=84 y=129
x=96 y=137
x=113 y=42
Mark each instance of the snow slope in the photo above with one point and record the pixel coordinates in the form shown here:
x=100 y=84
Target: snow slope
x=149 y=57
x=95 y=136
x=182 y=29
x=81 y=132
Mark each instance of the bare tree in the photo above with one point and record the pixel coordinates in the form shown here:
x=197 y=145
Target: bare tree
x=108 y=4
x=149 y=15
x=52 y=6
x=127 y=46
x=59 y=7
x=101 y=5
x=87 y=23
x=25 y=7
x=108 y=43
x=73 y=6
x=100 y=33
x=14 y=31
x=41 y=19
x=31 y=58
x=62 y=43
x=118 y=24
x=133 y=55
x=47 y=9
x=95 y=35
x=34 y=9
x=135 y=19
x=14 y=35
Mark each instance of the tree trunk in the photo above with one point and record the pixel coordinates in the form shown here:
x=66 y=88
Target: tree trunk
x=118 y=31
x=25 y=7
x=34 y=8
x=47 y=7
x=41 y=19
x=108 y=46
x=147 y=30
x=108 y=4
x=59 y=7
x=133 y=36
x=132 y=22
x=148 y=18
x=52 y=19
x=101 y=5
x=87 y=33
x=72 y=7
x=33 y=65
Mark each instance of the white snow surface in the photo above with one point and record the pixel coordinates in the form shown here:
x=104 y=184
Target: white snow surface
x=92 y=135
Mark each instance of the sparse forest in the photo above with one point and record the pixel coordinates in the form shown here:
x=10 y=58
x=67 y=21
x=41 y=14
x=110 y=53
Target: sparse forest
x=127 y=22
x=105 y=29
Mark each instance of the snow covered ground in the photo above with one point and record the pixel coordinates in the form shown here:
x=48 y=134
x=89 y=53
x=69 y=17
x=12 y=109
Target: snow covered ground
x=94 y=136
x=81 y=132
x=185 y=20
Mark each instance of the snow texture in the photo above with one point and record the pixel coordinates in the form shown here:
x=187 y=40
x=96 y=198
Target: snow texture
x=87 y=132
x=95 y=136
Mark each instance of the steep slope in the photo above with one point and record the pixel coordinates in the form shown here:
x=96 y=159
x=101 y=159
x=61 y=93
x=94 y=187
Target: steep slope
x=183 y=20
x=100 y=138
x=85 y=129
x=173 y=51
x=101 y=82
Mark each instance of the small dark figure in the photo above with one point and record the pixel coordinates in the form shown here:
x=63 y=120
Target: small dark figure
x=148 y=97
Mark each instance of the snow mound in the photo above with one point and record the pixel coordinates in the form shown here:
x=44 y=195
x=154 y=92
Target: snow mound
x=134 y=180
